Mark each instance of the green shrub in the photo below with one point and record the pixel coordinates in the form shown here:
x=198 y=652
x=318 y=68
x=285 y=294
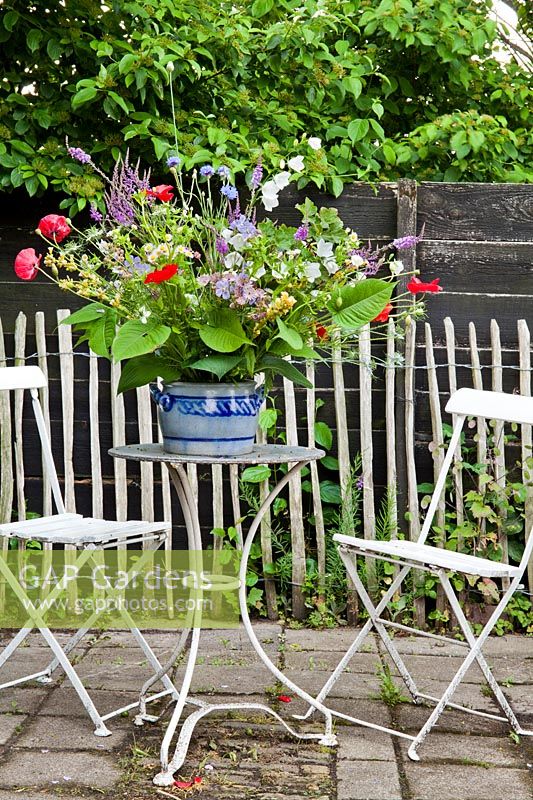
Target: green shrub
x=392 y=88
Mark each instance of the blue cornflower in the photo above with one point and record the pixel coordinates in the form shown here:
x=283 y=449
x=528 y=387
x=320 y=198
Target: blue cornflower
x=173 y=161
x=207 y=170
x=229 y=191
x=224 y=172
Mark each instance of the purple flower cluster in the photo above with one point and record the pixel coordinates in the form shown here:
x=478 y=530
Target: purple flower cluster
x=406 y=241
x=206 y=171
x=243 y=225
x=95 y=214
x=302 y=233
x=125 y=182
x=239 y=288
x=221 y=246
x=79 y=155
x=257 y=176
x=135 y=265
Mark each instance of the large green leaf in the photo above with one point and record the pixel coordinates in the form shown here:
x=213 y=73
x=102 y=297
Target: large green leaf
x=285 y=368
x=355 y=305
x=136 y=338
x=142 y=370
x=86 y=314
x=218 y=365
x=289 y=335
x=223 y=333
x=101 y=333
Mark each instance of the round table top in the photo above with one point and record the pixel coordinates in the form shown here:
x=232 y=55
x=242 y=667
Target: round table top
x=260 y=454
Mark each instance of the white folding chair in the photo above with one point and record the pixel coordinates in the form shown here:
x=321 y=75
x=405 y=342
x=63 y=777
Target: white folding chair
x=88 y=536
x=438 y=561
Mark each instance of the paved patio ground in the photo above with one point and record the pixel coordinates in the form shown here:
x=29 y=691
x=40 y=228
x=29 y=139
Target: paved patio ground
x=49 y=750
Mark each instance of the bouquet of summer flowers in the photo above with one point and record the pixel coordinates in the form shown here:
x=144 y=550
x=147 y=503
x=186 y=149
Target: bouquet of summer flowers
x=186 y=281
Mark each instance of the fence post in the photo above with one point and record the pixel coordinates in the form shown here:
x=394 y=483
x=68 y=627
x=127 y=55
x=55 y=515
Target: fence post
x=406 y=215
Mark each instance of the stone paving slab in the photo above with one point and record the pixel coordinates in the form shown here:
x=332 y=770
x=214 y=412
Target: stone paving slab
x=9 y=724
x=368 y=780
x=486 y=751
x=360 y=744
x=64 y=702
x=333 y=639
x=22 y=699
x=60 y=733
x=432 y=782
x=33 y=769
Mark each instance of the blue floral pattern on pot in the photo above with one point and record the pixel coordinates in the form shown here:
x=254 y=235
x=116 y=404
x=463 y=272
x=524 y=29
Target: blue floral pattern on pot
x=208 y=419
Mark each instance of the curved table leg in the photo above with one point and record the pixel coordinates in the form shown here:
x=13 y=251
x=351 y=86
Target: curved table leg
x=328 y=738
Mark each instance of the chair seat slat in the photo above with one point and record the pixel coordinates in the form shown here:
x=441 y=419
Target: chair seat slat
x=431 y=556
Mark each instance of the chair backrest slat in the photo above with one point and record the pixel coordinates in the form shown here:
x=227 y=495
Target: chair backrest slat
x=33 y=378
x=491 y=405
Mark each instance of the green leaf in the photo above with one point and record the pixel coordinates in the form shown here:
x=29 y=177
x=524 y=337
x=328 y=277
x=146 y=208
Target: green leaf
x=86 y=314
x=323 y=435
x=285 y=368
x=120 y=101
x=353 y=306
x=330 y=492
x=142 y=370
x=476 y=139
x=102 y=333
x=84 y=96
x=358 y=129
x=33 y=39
x=217 y=365
x=289 y=335
x=267 y=418
x=330 y=463
x=54 y=49
x=262 y=7
x=126 y=62
x=136 y=338
x=256 y=474
x=161 y=146
x=224 y=333
x=10 y=20
x=337 y=186
x=353 y=85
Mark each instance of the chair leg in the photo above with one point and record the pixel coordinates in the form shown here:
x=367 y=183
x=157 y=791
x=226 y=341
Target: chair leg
x=72 y=675
x=358 y=641
x=480 y=658
x=473 y=655
x=381 y=630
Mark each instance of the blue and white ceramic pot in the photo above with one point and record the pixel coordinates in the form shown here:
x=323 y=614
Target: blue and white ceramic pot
x=208 y=419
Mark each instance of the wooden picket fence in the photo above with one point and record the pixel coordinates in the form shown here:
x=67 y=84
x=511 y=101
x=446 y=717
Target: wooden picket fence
x=406 y=408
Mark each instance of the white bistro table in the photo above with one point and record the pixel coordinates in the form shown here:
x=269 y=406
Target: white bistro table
x=296 y=458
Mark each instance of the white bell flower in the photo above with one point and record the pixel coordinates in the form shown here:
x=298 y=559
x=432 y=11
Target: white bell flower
x=314 y=143
x=297 y=163
x=238 y=241
x=311 y=270
x=324 y=249
x=356 y=260
x=331 y=266
x=396 y=267
x=281 y=180
x=233 y=260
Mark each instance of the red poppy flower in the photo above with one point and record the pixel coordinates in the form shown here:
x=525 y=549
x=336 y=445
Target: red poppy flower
x=416 y=286
x=55 y=227
x=188 y=784
x=383 y=315
x=284 y=698
x=26 y=264
x=321 y=332
x=160 y=275
x=163 y=192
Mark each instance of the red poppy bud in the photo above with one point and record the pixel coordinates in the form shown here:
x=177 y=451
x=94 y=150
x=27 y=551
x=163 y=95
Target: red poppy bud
x=163 y=274
x=383 y=315
x=55 y=227
x=26 y=264
x=188 y=784
x=163 y=192
x=416 y=286
x=321 y=332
